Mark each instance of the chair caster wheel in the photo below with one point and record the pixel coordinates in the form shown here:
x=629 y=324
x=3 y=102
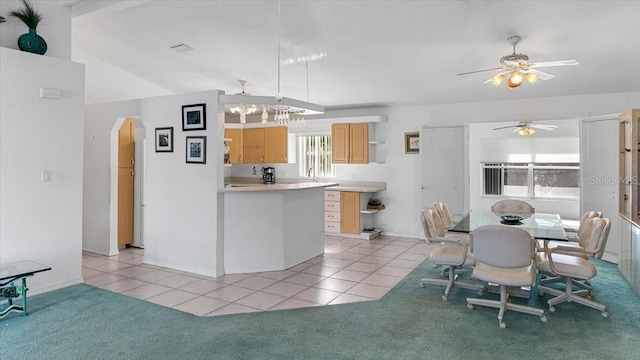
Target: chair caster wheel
x=470 y=306
x=540 y=293
x=422 y=285
x=552 y=308
x=605 y=314
x=503 y=325
x=543 y=318
x=444 y=297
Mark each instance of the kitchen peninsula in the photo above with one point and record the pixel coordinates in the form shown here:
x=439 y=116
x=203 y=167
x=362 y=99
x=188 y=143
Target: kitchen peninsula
x=272 y=227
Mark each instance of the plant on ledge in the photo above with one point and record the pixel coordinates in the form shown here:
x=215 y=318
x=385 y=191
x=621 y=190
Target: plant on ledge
x=31 y=41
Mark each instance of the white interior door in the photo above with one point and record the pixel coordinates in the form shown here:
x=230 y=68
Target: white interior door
x=599 y=174
x=444 y=167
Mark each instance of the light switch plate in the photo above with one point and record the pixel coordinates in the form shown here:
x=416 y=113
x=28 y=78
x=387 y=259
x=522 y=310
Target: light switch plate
x=46 y=175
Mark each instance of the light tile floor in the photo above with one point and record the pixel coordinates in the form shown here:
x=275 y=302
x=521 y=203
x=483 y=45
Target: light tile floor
x=350 y=270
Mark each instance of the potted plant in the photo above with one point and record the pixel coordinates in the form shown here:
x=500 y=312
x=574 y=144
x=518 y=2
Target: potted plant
x=31 y=41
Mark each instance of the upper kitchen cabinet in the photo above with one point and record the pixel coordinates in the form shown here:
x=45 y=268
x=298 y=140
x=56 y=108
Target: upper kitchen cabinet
x=350 y=143
x=253 y=145
x=276 y=144
x=235 y=145
x=264 y=145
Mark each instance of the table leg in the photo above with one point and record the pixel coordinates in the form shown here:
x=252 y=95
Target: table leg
x=24 y=296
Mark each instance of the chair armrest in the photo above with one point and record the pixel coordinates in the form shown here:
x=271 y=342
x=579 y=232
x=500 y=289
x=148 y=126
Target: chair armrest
x=573 y=249
x=449 y=240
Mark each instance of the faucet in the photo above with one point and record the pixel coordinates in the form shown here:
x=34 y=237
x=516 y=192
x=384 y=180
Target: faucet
x=314 y=173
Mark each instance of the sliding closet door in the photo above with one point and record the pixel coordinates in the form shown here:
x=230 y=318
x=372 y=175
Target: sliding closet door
x=444 y=167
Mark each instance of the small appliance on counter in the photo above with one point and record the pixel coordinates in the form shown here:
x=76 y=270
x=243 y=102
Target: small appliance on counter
x=268 y=175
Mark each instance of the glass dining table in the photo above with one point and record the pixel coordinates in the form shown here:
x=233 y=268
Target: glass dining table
x=540 y=225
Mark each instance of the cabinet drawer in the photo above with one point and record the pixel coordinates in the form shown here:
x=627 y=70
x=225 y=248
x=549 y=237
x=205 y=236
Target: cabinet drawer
x=332 y=206
x=332 y=227
x=332 y=216
x=332 y=195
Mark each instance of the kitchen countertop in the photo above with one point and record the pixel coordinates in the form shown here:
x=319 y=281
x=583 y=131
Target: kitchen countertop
x=363 y=189
x=244 y=187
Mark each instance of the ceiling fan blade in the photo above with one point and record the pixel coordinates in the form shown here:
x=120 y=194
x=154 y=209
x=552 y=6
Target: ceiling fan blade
x=479 y=71
x=544 y=127
x=554 y=63
x=543 y=75
x=507 y=127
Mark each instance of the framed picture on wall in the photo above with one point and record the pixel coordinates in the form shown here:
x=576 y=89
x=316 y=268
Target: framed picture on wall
x=194 y=117
x=196 y=149
x=412 y=143
x=164 y=139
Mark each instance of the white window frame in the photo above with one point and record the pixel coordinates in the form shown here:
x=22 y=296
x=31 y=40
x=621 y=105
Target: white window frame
x=320 y=169
x=530 y=167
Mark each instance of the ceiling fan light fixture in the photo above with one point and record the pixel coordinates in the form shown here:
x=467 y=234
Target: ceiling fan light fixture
x=526 y=131
x=531 y=78
x=515 y=79
x=498 y=79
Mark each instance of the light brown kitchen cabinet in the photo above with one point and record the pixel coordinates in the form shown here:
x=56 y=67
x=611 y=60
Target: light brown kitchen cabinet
x=253 y=145
x=350 y=143
x=264 y=145
x=350 y=212
x=340 y=143
x=235 y=145
x=276 y=141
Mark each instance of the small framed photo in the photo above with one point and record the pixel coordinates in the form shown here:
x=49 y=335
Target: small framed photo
x=412 y=143
x=197 y=149
x=164 y=139
x=194 y=117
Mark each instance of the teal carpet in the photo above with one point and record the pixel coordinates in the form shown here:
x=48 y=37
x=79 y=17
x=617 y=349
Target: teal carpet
x=83 y=322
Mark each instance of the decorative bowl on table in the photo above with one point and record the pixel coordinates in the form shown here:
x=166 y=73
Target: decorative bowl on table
x=511 y=219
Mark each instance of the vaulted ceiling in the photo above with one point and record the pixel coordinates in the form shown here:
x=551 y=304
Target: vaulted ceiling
x=377 y=52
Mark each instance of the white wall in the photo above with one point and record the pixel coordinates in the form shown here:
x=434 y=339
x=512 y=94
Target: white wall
x=55 y=28
x=181 y=228
x=181 y=202
x=41 y=221
x=107 y=83
x=402 y=171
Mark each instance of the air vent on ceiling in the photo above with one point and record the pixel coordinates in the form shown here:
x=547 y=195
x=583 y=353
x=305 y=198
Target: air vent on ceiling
x=182 y=48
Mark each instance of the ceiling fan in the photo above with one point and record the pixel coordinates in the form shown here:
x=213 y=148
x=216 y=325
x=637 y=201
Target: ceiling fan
x=516 y=68
x=528 y=128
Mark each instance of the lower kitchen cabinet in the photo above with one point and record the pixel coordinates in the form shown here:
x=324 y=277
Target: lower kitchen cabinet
x=350 y=212
x=346 y=215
